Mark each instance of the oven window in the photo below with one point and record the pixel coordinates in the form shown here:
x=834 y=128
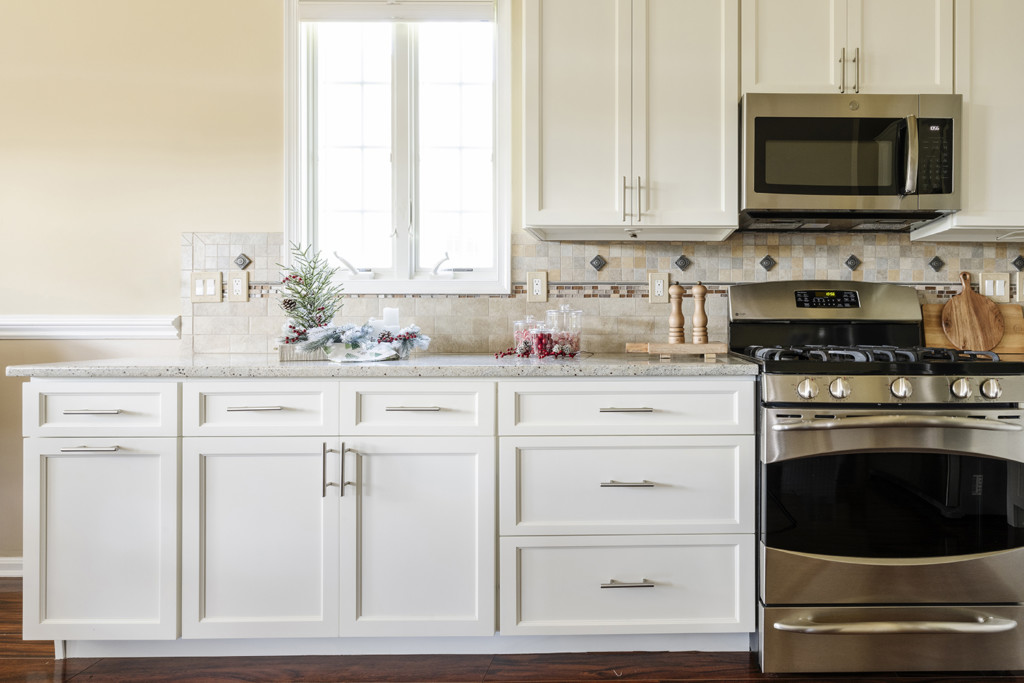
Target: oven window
x=893 y=505
x=828 y=156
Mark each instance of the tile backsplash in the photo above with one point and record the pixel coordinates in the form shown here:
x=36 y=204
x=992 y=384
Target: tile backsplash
x=614 y=300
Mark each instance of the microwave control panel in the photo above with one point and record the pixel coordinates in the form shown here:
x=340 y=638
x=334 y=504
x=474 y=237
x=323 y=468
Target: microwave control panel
x=935 y=159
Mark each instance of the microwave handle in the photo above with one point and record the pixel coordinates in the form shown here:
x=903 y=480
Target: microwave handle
x=910 y=186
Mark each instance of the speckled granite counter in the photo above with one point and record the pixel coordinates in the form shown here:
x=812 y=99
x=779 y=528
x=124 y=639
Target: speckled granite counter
x=423 y=365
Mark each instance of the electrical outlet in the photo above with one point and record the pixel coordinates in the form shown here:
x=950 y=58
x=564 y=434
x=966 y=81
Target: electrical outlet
x=206 y=287
x=537 y=286
x=995 y=286
x=238 y=285
x=658 y=283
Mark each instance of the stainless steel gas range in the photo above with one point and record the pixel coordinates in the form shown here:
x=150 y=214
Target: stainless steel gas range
x=891 y=485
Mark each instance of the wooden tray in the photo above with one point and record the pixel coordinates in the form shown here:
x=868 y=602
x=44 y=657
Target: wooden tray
x=709 y=350
x=1013 y=328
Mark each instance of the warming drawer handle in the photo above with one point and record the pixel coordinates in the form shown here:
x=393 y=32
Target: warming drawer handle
x=91 y=449
x=252 y=409
x=642 y=583
x=612 y=484
x=412 y=409
x=627 y=410
x=859 y=422
x=90 y=411
x=982 y=624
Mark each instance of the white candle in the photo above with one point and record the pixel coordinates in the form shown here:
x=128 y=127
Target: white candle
x=391 y=317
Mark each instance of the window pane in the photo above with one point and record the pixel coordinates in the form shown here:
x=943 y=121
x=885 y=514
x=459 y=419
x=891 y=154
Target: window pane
x=455 y=134
x=353 y=151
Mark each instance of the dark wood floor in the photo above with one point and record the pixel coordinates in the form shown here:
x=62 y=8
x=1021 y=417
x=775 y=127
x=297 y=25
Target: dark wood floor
x=33 y=661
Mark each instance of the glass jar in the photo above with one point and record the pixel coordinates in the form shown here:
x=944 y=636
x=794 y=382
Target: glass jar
x=566 y=326
x=522 y=343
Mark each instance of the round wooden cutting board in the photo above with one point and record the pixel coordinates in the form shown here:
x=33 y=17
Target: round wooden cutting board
x=972 y=322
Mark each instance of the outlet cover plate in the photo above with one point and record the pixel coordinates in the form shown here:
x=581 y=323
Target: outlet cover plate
x=1020 y=287
x=206 y=287
x=996 y=286
x=658 y=287
x=537 y=286
x=238 y=285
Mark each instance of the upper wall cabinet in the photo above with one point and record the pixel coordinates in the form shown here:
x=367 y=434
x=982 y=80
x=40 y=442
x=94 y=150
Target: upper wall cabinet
x=630 y=119
x=851 y=46
x=989 y=55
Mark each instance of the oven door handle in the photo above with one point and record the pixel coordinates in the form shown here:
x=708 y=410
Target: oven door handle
x=872 y=421
x=978 y=624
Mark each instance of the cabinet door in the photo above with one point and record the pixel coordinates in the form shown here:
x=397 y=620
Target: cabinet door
x=900 y=47
x=685 y=90
x=576 y=125
x=101 y=534
x=794 y=45
x=418 y=535
x=259 y=537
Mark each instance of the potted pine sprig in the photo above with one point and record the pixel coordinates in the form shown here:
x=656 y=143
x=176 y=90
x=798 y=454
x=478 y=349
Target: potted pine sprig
x=309 y=295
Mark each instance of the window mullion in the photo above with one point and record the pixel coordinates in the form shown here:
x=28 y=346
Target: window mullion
x=402 y=152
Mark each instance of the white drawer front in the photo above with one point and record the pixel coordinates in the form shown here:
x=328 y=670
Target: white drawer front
x=421 y=407
x=627 y=485
x=260 y=408
x=649 y=406
x=100 y=409
x=673 y=584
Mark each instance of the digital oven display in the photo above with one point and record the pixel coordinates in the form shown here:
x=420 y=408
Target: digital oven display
x=827 y=298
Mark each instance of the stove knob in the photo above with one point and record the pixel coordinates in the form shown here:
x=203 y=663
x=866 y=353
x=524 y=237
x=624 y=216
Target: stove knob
x=991 y=388
x=961 y=388
x=840 y=387
x=807 y=389
x=901 y=388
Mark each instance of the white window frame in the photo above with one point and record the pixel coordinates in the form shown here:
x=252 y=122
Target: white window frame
x=496 y=281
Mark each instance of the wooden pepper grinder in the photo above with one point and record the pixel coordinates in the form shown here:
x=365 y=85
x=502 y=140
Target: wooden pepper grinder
x=675 y=317
x=700 y=317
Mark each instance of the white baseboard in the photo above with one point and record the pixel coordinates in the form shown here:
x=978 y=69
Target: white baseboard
x=11 y=567
x=90 y=327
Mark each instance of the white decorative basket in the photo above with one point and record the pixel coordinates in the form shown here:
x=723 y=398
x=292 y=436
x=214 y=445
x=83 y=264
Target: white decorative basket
x=288 y=352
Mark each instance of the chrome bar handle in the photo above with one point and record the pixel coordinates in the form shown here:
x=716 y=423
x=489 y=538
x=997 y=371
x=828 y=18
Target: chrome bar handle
x=897 y=421
x=627 y=410
x=341 y=487
x=252 y=409
x=87 y=411
x=412 y=409
x=842 y=70
x=856 y=70
x=623 y=199
x=326 y=483
x=642 y=583
x=91 y=449
x=985 y=624
x=639 y=194
x=910 y=186
x=612 y=484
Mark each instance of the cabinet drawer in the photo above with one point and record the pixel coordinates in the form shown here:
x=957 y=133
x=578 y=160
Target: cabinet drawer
x=627 y=584
x=260 y=408
x=100 y=409
x=627 y=485
x=422 y=407
x=650 y=406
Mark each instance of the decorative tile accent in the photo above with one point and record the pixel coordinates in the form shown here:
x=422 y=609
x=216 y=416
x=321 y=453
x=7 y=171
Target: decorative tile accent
x=1018 y=262
x=767 y=262
x=852 y=262
x=242 y=261
x=682 y=263
x=598 y=262
x=936 y=264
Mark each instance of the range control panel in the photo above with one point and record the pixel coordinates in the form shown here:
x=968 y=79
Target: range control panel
x=827 y=298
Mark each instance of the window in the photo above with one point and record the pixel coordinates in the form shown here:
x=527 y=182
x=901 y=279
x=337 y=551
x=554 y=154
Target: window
x=400 y=167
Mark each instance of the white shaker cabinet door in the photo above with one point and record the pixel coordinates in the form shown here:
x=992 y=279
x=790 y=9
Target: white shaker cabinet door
x=418 y=536
x=101 y=530
x=259 y=537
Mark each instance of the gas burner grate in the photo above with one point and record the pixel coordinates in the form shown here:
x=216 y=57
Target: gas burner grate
x=866 y=353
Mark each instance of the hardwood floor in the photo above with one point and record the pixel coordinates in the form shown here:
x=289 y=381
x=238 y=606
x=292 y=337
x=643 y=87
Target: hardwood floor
x=33 y=661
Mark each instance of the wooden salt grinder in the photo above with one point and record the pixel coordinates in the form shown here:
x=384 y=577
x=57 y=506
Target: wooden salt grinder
x=700 y=318
x=675 y=317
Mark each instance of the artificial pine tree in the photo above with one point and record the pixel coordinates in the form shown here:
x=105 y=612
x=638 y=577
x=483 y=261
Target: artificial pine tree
x=309 y=294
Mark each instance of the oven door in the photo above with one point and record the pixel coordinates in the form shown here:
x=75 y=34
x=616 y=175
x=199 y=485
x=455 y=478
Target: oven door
x=870 y=508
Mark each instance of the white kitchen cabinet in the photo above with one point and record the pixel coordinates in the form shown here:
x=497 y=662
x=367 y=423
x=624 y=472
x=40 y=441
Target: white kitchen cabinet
x=260 y=537
x=630 y=119
x=851 y=46
x=101 y=538
x=989 y=59
x=418 y=536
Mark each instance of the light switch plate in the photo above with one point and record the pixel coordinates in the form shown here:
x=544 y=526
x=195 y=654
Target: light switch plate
x=537 y=285
x=238 y=285
x=996 y=286
x=658 y=287
x=206 y=287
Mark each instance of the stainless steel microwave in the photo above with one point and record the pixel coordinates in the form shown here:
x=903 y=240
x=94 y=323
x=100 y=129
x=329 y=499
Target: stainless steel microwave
x=848 y=162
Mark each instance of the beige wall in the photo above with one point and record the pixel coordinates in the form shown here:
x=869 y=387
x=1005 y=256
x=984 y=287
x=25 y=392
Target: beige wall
x=134 y=121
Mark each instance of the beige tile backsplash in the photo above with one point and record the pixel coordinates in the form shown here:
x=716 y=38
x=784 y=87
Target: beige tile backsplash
x=614 y=300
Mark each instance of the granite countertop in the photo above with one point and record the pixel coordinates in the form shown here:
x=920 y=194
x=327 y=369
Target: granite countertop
x=467 y=365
